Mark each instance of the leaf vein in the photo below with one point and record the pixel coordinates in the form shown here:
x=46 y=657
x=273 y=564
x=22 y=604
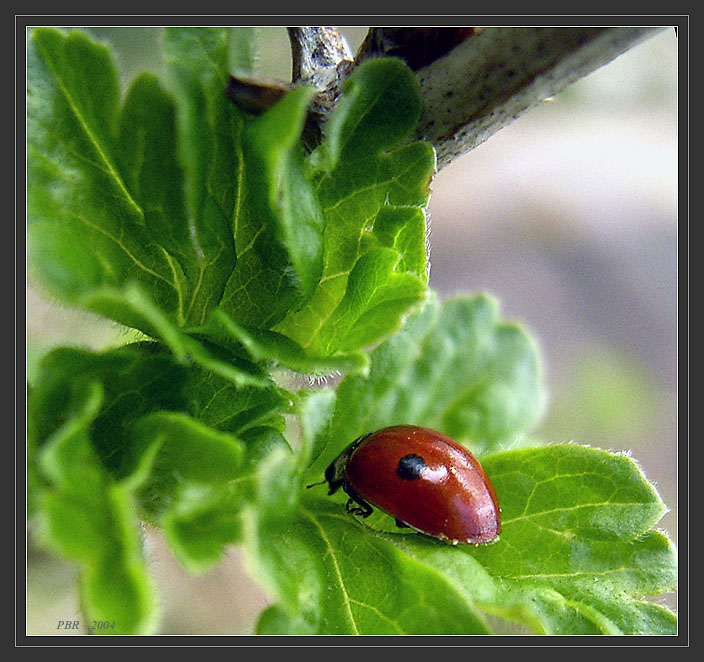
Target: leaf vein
x=336 y=566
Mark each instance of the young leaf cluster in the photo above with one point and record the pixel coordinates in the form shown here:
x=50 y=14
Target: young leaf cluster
x=241 y=257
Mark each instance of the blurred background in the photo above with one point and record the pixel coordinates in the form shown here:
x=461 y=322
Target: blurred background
x=568 y=216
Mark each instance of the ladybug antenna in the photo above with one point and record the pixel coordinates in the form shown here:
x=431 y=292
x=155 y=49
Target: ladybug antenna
x=314 y=484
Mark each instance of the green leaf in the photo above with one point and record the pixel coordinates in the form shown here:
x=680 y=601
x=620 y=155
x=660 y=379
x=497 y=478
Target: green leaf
x=454 y=367
x=192 y=490
x=337 y=580
x=579 y=521
x=205 y=514
x=105 y=186
x=136 y=304
x=183 y=442
x=90 y=518
x=269 y=346
x=578 y=516
x=581 y=566
x=278 y=233
x=198 y=68
x=280 y=191
x=275 y=489
x=316 y=414
x=380 y=107
x=134 y=381
x=138 y=380
x=374 y=303
x=373 y=188
x=223 y=405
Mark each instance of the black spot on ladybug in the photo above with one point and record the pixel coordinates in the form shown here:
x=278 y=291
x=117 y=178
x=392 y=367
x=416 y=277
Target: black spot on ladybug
x=410 y=467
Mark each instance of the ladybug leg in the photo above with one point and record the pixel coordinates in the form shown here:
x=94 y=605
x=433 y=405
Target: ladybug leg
x=363 y=509
x=401 y=525
x=352 y=507
x=355 y=504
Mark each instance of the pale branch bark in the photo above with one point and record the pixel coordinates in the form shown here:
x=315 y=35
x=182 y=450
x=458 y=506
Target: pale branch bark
x=490 y=79
x=317 y=55
x=321 y=58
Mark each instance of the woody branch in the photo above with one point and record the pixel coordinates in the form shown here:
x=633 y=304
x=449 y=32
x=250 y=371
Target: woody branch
x=473 y=88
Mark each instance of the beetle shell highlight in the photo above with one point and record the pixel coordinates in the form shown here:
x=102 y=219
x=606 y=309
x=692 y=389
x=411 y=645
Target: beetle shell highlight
x=424 y=479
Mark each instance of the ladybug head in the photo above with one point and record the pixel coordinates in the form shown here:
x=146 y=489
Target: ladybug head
x=335 y=473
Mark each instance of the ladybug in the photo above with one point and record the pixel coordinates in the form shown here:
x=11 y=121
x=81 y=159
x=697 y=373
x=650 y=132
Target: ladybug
x=423 y=479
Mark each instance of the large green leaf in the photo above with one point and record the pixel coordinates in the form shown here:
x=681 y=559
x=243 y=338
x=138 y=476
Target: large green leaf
x=576 y=555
